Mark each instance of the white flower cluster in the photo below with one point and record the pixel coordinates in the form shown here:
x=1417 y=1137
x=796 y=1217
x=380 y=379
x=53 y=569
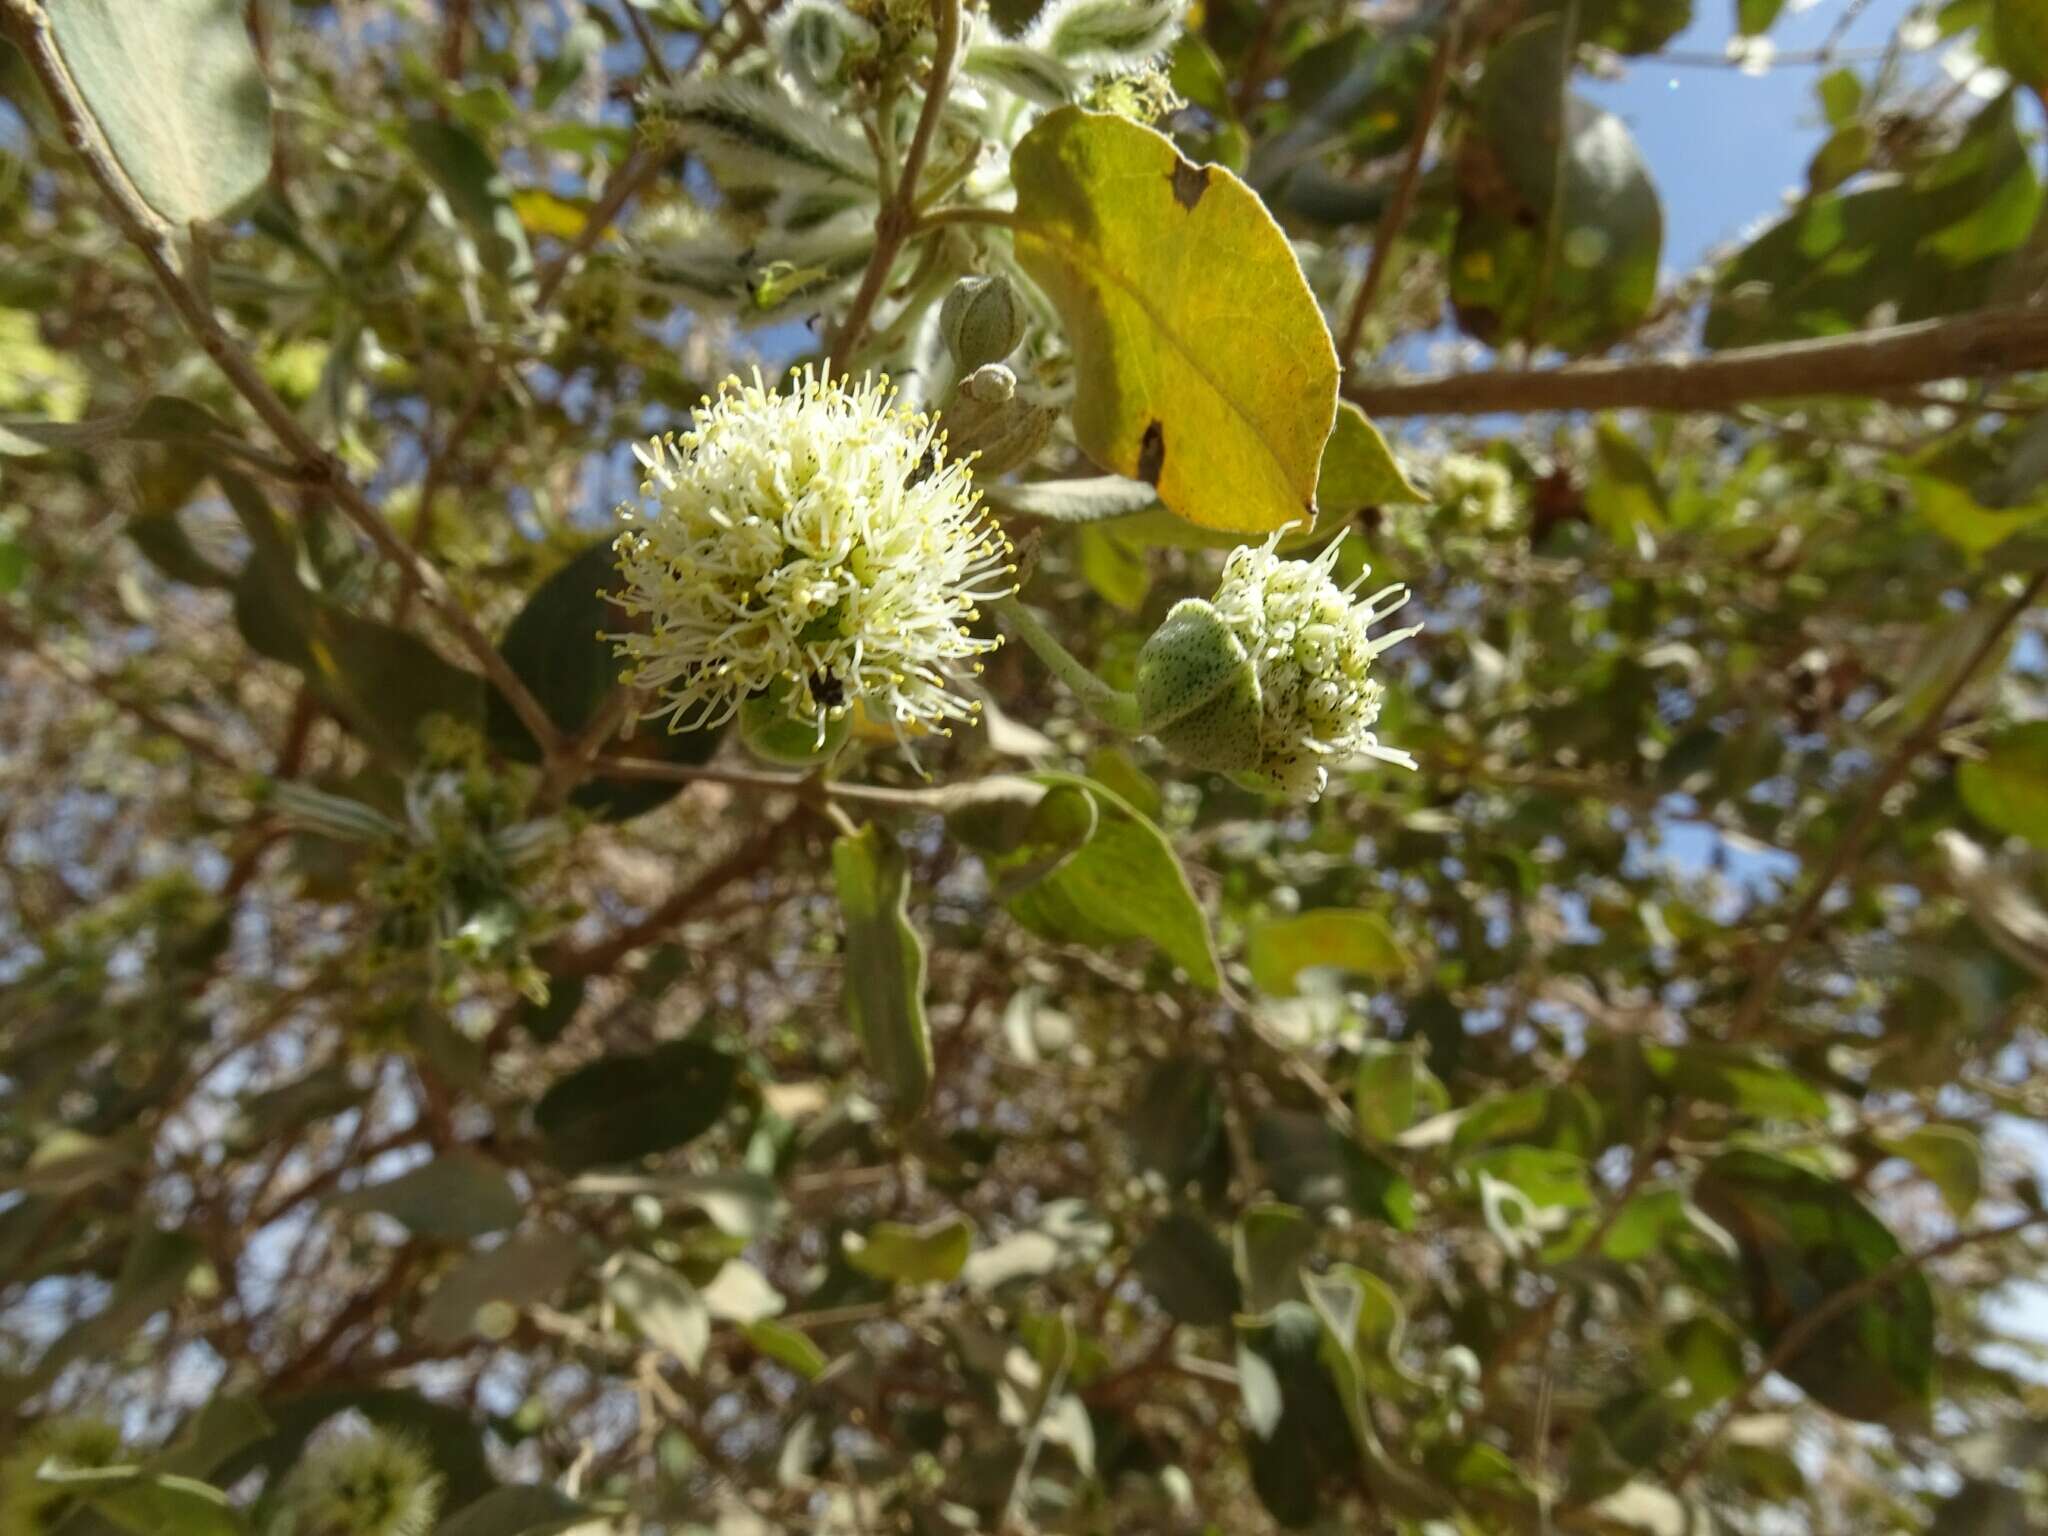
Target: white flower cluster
x=1313 y=651
x=1480 y=492
x=815 y=545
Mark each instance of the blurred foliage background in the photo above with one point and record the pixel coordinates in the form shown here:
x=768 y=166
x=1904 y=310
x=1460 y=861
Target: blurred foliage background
x=1622 y=1124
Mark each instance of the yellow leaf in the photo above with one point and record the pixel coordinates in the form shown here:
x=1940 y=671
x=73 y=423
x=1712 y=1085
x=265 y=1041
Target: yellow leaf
x=543 y=213
x=1203 y=365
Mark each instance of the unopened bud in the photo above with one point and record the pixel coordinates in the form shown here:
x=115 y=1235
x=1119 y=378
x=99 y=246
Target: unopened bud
x=988 y=418
x=1198 y=691
x=982 y=320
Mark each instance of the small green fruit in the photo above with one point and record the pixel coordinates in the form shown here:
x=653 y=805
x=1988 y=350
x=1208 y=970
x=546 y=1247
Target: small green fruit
x=982 y=320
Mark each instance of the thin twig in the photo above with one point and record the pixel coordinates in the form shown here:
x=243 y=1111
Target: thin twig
x=749 y=858
x=1395 y=217
x=898 y=217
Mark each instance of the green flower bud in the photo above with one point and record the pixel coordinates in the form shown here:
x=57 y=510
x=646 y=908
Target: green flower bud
x=1198 y=690
x=982 y=320
x=775 y=735
x=990 y=420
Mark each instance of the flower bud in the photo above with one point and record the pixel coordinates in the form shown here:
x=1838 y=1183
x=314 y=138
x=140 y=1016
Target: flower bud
x=1269 y=682
x=990 y=420
x=982 y=320
x=1198 y=691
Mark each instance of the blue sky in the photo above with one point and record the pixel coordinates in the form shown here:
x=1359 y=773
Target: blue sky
x=1724 y=146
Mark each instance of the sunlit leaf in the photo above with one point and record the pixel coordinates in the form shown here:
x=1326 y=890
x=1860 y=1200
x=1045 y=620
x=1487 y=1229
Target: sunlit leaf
x=1203 y=365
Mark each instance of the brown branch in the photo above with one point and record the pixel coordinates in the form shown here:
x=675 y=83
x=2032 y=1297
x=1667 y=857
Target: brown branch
x=1764 y=980
x=1979 y=345
x=898 y=216
x=25 y=24
x=1395 y=216
x=747 y=859
x=633 y=174
x=1805 y=1328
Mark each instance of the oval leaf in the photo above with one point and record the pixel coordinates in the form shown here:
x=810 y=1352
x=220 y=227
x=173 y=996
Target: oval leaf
x=1203 y=365
x=884 y=967
x=175 y=88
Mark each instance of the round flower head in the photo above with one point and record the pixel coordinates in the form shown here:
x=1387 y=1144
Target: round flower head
x=817 y=546
x=1312 y=649
x=1480 y=491
x=367 y=1484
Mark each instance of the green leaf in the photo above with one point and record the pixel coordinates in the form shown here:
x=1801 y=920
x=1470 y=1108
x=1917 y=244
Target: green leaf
x=520 y=1271
x=740 y=1293
x=226 y=1425
x=1184 y=1265
x=789 y=1347
x=1393 y=1089
x=740 y=1204
x=1841 y=96
x=624 y=1107
x=932 y=1254
x=884 y=967
x=662 y=1305
x=1932 y=243
x=150 y=1503
x=477 y=192
x=1074 y=501
x=1270 y=1244
x=1628 y=26
x=1506 y=280
x=1805 y=1238
x=1742 y=1080
x=175 y=88
x=2020 y=30
x=1116 y=570
x=1755 y=17
x=384 y=682
x=158 y=419
x=1310 y=1164
x=1202 y=363
x=1546 y=1176
x=1301 y=1433
x=1949 y=1156
x=1625 y=495
x=1177 y=1118
x=554 y=646
x=523 y=1509
x=1359 y=470
x=459 y=1195
x=1708 y=1354
x=2007 y=787
x=1331 y=938
x=1123 y=883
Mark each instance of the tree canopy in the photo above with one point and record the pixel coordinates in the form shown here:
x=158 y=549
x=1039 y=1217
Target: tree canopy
x=1017 y=766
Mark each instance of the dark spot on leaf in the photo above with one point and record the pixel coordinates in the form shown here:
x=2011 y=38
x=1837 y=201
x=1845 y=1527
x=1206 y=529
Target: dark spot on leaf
x=1152 y=454
x=1189 y=183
